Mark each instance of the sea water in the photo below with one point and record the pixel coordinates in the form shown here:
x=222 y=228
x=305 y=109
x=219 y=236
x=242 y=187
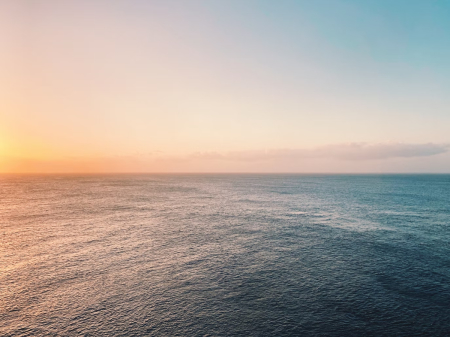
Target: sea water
x=225 y=255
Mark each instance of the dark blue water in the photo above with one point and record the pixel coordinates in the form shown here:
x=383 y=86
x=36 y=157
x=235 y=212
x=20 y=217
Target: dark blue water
x=225 y=255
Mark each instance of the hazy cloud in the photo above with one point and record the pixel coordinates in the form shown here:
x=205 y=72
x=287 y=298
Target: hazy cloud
x=350 y=151
x=363 y=151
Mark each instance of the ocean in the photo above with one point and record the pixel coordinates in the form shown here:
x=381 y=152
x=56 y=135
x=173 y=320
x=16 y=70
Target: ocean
x=225 y=255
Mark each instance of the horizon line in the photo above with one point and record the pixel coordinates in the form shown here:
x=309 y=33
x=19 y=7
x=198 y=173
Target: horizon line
x=224 y=173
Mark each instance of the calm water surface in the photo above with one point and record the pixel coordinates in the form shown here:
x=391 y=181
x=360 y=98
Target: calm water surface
x=225 y=255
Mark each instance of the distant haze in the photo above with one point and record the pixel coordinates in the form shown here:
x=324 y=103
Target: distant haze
x=224 y=86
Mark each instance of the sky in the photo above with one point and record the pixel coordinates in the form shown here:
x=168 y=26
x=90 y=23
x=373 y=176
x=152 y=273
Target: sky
x=326 y=86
